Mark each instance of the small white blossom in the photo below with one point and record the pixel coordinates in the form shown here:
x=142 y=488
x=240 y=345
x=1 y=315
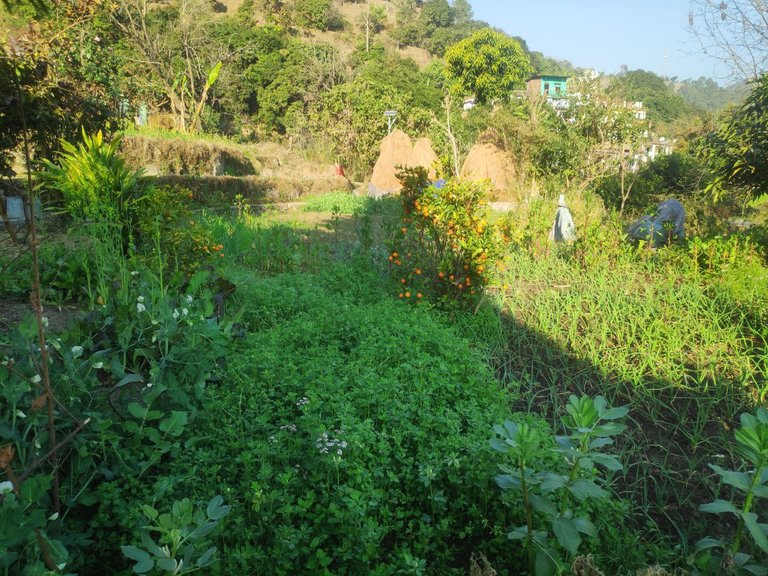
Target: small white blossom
x=175 y=314
x=45 y=321
x=77 y=351
x=184 y=311
x=98 y=365
x=36 y=379
x=140 y=299
x=135 y=273
x=189 y=299
x=6 y=487
x=140 y=307
x=20 y=414
x=302 y=401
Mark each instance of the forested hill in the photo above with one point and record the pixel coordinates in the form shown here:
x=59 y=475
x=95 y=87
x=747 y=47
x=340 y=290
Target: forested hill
x=314 y=73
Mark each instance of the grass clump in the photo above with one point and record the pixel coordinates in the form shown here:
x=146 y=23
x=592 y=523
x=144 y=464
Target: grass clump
x=339 y=203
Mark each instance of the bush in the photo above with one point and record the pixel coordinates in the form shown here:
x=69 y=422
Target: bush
x=97 y=186
x=445 y=248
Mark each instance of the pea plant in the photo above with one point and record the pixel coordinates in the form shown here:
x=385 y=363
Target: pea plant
x=752 y=444
x=553 y=498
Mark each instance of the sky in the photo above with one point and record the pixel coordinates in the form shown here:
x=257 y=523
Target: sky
x=605 y=34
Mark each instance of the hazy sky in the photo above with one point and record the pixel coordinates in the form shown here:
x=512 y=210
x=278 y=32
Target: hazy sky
x=604 y=34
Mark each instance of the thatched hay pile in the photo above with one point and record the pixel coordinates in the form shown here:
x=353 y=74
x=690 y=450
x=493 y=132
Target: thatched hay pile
x=487 y=162
x=397 y=152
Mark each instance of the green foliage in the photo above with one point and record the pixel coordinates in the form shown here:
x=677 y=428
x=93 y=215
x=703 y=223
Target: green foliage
x=63 y=79
x=555 y=497
x=661 y=102
x=181 y=534
x=96 y=185
x=365 y=453
x=350 y=117
x=680 y=175
x=706 y=94
x=752 y=445
x=488 y=64
x=445 y=249
x=339 y=203
x=735 y=152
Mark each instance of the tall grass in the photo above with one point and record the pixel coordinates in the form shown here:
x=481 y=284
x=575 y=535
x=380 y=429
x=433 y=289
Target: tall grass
x=651 y=330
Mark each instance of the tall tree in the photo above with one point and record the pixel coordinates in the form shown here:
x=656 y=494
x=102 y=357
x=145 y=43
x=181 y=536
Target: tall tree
x=462 y=12
x=173 y=41
x=733 y=31
x=737 y=152
x=488 y=64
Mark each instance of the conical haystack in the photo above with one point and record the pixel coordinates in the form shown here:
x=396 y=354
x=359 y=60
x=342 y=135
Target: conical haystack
x=424 y=155
x=487 y=162
x=396 y=150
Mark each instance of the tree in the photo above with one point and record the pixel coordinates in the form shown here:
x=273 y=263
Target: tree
x=737 y=152
x=462 y=12
x=652 y=90
x=173 y=41
x=488 y=64
x=372 y=21
x=734 y=32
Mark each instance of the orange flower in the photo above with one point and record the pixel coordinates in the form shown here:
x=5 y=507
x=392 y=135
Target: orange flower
x=407 y=294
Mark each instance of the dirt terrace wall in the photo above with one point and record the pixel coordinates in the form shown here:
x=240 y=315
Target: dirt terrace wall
x=160 y=156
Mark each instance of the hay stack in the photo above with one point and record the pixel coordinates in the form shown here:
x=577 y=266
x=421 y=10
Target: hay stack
x=424 y=155
x=396 y=150
x=487 y=162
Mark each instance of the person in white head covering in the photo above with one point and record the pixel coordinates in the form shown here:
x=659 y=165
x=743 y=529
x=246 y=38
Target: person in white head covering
x=563 y=228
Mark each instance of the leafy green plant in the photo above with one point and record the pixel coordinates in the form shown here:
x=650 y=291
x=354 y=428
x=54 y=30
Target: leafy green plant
x=553 y=500
x=446 y=246
x=752 y=484
x=181 y=538
x=96 y=185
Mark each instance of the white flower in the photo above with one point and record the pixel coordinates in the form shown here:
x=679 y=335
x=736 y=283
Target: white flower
x=175 y=314
x=6 y=487
x=98 y=365
x=189 y=299
x=140 y=307
x=20 y=414
x=77 y=351
x=140 y=299
x=135 y=273
x=184 y=311
x=36 y=379
x=45 y=321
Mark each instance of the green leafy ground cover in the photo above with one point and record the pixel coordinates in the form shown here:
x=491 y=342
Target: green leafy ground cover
x=347 y=430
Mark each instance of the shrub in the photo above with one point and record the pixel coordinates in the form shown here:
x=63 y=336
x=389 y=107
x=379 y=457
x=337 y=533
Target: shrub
x=97 y=186
x=446 y=247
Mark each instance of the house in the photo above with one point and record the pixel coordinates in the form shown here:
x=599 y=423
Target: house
x=549 y=86
x=553 y=88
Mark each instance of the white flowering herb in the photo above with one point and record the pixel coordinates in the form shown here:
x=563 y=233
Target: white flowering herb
x=140 y=299
x=140 y=307
x=77 y=351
